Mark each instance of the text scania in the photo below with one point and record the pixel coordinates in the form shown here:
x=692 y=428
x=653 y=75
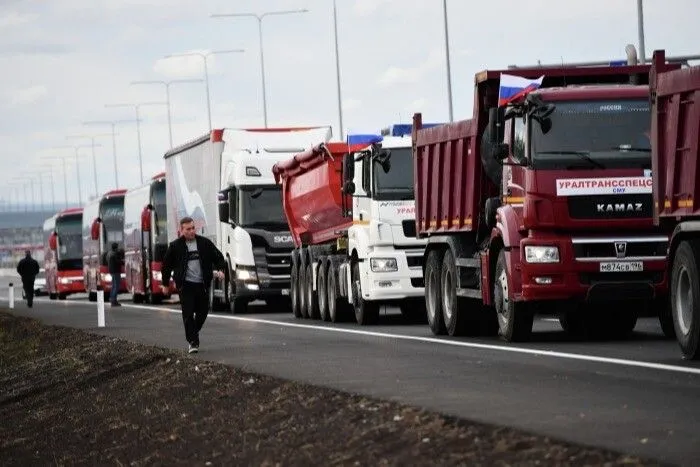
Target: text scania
x=599 y=186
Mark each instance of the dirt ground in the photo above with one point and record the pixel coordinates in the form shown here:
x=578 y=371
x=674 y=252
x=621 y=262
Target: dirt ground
x=68 y=397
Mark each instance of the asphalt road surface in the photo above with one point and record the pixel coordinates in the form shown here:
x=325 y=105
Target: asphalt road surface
x=636 y=396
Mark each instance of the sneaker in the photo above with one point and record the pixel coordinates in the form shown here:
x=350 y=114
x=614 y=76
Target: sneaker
x=194 y=348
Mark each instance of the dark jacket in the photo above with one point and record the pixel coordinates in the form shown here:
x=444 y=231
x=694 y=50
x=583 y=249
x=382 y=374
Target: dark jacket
x=114 y=262
x=28 y=268
x=175 y=261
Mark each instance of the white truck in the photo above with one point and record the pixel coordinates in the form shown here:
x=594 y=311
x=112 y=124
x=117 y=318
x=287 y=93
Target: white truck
x=350 y=209
x=223 y=180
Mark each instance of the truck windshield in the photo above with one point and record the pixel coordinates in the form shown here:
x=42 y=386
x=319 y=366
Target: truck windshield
x=397 y=183
x=261 y=207
x=70 y=242
x=594 y=134
x=112 y=214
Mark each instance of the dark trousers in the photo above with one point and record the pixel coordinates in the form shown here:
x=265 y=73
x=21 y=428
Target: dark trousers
x=194 y=301
x=28 y=292
x=116 y=283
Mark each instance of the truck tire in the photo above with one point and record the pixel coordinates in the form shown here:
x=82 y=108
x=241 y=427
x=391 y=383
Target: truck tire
x=337 y=307
x=294 y=286
x=433 y=304
x=311 y=296
x=52 y=296
x=665 y=315
x=303 y=306
x=322 y=292
x=514 y=318
x=366 y=312
x=458 y=319
x=685 y=298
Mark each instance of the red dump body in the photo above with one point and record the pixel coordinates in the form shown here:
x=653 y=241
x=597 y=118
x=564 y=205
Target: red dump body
x=676 y=143
x=311 y=193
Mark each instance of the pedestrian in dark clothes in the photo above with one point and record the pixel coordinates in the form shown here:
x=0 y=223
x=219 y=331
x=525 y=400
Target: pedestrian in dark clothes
x=194 y=261
x=114 y=267
x=28 y=268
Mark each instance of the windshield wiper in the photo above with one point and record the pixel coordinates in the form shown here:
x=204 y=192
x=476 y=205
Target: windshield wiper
x=585 y=155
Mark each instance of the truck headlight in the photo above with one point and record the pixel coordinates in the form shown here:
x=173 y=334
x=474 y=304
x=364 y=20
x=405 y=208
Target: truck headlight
x=64 y=280
x=243 y=274
x=541 y=254
x=107 y=277
x=158 y=276
x=383 y=264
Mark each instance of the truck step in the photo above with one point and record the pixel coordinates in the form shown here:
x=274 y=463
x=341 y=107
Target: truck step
x=467 y=262
x=469 y=293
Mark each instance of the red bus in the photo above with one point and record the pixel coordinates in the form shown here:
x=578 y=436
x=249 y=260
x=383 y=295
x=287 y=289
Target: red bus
x=63 y=254
x=146 y=240
x=103 y=224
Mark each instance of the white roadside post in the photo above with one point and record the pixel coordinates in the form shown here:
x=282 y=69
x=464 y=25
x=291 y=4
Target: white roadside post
x=100 y=307
x=12 y=296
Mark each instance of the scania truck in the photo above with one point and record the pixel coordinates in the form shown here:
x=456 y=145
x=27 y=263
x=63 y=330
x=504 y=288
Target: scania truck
x=223 y=180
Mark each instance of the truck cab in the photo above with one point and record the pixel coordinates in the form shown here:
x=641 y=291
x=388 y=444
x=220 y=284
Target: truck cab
x=383 y=236
x=255 y=237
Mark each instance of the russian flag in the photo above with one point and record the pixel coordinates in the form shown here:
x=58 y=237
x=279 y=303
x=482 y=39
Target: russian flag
x=515 y=87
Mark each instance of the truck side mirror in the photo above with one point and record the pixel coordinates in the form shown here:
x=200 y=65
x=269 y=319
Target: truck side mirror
x=223 y=211
x=95 y=229
x=53 y=241
x=146 y=219
x=499 y=151
x=349 y=187
x=348 y=168
x=493 y=125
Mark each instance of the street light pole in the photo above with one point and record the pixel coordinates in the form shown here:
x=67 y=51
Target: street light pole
x=138 y=126
x=337 y=69
x=260 y=18
x=167 y=98
x=94 y=158
x=205 y=56
x=640 y=30
x=447 y=61
x=77 y=168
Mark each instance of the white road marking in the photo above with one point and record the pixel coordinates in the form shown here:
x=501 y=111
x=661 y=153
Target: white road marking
x=431 y=340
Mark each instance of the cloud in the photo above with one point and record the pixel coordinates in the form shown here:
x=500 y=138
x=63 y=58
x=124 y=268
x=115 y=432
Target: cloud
x=401 y=75
x=28 y=95
x=29 y=48
x=12 y=19
x=351 y=104
x=188 y=66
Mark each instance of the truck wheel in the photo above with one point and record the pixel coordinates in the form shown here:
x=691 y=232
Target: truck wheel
x=366 y=312
x=514 y=318
x=321 y=287
x=433 y=304
x=294 y=288
x=155 y=299
x=239 y=305
x=458 y=320
x=303 y=305
x=311 y=296
x=137 y=298
x=337 y=308
x=663 y=307
x=685 y=298
x=52 y=296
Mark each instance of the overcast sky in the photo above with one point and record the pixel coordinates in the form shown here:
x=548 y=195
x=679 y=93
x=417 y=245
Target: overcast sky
x=60 y=65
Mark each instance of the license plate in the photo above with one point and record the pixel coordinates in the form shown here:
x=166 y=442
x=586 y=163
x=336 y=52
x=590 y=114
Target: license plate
x=285 y=291
x=622 y=266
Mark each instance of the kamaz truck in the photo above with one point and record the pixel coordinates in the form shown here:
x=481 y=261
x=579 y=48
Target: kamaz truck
x=542 y=203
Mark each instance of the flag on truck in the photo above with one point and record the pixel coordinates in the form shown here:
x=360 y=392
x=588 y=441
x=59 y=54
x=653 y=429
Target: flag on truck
x=512 y=87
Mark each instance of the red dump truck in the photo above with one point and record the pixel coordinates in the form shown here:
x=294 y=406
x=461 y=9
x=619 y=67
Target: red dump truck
x=349 y=207
x=675 y=135
x=542 y=205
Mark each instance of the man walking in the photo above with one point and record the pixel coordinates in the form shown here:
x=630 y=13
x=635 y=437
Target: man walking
x=28 y=268
x=114 y=267
x=194 y=261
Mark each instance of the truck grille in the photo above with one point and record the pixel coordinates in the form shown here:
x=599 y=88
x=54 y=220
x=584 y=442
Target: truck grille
x=636 y=206
x=273 y=267
x=592 y=249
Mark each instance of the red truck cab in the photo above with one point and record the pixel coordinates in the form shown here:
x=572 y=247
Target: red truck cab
x=542 y=205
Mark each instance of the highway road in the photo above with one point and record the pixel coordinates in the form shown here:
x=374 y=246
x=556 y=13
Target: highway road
x=636 y=396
